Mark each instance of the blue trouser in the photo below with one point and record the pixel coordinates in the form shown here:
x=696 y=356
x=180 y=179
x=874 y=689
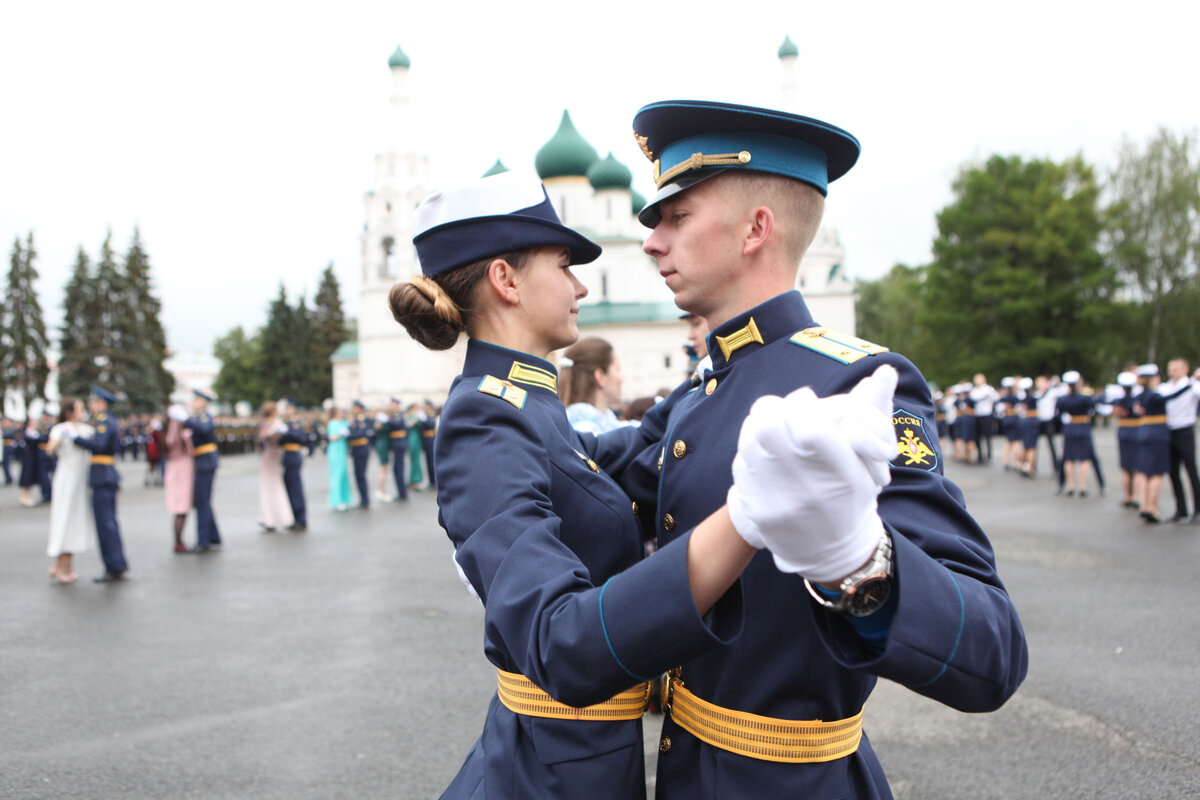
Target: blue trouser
x=360 y=455
x=45 y=471
x=104 y=509
x=206 y=524
x=398 y=453
x=8 y=455
x=427 y=446
x=294 y=482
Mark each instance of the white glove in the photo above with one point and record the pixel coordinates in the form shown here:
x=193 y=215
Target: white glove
x=462 y=576
x=807 y=475
x=177 y=413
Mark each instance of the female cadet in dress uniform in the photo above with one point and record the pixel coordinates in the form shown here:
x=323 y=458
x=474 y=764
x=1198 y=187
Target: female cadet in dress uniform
x=546 y=538
x=1127 y=430
x=1076 y=409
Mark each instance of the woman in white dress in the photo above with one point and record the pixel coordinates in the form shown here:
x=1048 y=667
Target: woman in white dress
x=274 y=510
x=72 y=526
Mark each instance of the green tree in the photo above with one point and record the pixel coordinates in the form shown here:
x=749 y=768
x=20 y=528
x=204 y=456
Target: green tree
x=280 y=350
x=79 y=339
x=1154 y=234
x=885 y=311
x=240 y=377
x=329 y=331
x=1017 y=284
x=108 y=306
x=23 y=343
x=147 y=382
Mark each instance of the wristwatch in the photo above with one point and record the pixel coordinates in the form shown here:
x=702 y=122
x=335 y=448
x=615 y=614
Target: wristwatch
x=865 y=590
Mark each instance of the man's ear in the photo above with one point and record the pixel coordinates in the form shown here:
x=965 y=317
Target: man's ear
x=502 y=277
x=762 y=228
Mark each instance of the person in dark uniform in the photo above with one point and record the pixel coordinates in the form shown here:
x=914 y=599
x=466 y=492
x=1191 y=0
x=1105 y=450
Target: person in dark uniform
x=9 y=431
x=1009 y=410
x=1076 y=409
x=1030 y=428
x=428 y=429
x=741 y=193
x=293 y=441
x=398 y=443
x=543 y=536
x=361 y=434
x=1128 y=421
x=206 y=459
x=27 y=452
x=47 y=461
x=966 y=445
x=105 y=482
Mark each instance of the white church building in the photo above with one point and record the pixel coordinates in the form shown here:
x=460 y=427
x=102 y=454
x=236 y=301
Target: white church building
x=627 y=303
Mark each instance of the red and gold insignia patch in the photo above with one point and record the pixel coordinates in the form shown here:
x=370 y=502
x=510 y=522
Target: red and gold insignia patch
x=912 y=445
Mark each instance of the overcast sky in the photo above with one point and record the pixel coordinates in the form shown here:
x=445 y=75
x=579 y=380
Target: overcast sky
x=240 y=136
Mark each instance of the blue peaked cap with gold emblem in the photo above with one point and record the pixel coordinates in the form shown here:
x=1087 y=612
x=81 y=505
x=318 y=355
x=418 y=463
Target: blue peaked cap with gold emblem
x=103 y=394
x=491 y=216
x=689 y=141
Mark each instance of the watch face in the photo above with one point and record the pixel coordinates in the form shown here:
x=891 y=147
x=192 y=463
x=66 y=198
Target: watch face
x=869 y=597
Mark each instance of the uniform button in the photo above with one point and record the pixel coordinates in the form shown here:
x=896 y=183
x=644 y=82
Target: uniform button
x=635 y=506
x=679 y=448
x=660 y=459
x=592 y=464
x=668 y=522
x=711 y=386
x=664 y=744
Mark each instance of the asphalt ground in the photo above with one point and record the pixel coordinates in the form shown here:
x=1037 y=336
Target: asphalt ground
x=346 y=662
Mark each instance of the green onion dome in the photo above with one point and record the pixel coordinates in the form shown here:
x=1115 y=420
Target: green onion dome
x=567 y=153
x=788 y=48
x=496 y=169
x=399 y=59
x=636 y=202
x=608 y=173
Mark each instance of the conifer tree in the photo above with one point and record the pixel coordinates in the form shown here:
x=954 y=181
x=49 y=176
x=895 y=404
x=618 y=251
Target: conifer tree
x=23 y=343
x=241 y=375
x=279 y=349
x=148 y=383
x=79 y=336
x=329 y=330
x=107 y=307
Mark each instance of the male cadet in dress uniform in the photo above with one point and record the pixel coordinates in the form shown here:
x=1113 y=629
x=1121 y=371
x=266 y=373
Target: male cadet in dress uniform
x=105 y=481
x=360 y=436
x=1183 y=393
x=398 y=444
x=293 y=440
x=206 y=459
x=428 y=428
x=740 y=199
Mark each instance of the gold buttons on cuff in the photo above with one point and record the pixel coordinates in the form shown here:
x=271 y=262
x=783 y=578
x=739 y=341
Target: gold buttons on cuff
x=679 y=448
x=668 y=522
x=635 y=506
x=711 y=386
x=664 y=744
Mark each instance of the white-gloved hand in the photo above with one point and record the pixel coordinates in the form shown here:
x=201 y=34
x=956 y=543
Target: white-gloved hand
x=807 y=474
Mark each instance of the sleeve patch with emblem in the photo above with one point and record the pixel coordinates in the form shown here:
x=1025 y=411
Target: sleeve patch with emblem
x=912 y=443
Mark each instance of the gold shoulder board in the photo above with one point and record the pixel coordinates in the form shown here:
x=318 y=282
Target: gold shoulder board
x=504 y=390
x=838 y=346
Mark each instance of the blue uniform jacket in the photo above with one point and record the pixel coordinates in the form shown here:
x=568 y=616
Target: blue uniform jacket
x=361 y=428
x=294 y=435
x=1076 y=405
x=106 y=442
x=203 y=433
x=954 y=635
x=552 y=546
x=398 y=433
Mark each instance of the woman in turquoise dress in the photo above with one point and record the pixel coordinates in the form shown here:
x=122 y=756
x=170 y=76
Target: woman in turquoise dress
x=337 y=453
x=415 y=453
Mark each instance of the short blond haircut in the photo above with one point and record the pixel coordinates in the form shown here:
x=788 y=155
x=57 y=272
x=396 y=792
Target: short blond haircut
x=798 y=207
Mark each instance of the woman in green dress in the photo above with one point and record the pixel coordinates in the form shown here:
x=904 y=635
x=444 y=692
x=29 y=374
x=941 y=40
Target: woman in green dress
x=337 y=453
x=383 y=449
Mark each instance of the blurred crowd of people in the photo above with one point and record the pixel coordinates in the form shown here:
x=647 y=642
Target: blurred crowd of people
x=1154 y=419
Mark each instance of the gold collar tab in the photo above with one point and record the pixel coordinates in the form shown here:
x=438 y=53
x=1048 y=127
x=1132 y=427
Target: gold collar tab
x=533 y=376
x=739 y=338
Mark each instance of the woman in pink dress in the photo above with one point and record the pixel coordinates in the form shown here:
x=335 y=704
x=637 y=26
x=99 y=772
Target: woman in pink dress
x=274 y=510
x=179 y=473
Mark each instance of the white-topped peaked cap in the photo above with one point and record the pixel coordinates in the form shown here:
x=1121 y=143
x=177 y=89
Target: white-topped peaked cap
x=1146 y=370
x=1070 y=376
x=491 y=216
x=1126 y=379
